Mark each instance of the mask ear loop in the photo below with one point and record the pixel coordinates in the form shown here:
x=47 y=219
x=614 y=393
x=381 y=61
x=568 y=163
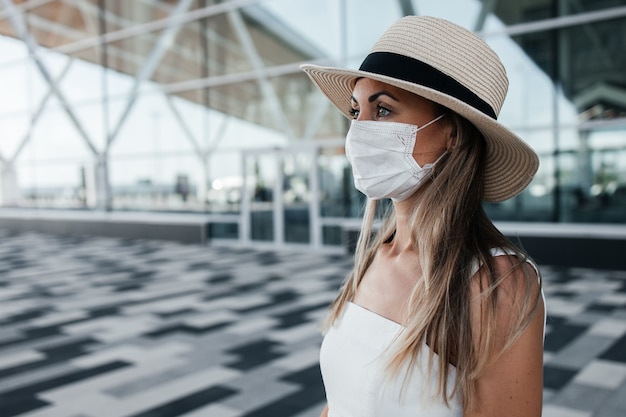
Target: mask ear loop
x=431 y=122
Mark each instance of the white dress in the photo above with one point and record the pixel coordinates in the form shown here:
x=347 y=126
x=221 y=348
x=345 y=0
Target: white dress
x=352 y=361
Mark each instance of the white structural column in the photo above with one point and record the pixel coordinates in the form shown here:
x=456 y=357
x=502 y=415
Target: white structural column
x=278 y=202
x=102 y=184
x=9 y=189
x=245 y=209
x=315 y=225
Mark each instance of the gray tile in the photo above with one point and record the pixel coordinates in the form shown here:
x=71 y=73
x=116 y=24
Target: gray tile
x=602 y=374
x=581 y=397
x=581 y=351
x=616 y=403
x=140 y=289
x=258 y=388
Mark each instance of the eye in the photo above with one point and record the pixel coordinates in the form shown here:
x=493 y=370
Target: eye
x=354 y=113
x=382 y=111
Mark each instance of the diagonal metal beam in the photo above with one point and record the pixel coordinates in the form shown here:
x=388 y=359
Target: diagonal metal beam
x=267 y=90
x=220 y=134
x=599 y=44
x=151 y=63
x=316 y=119
x=188 y=133
x=407 y=7
x=488 y=6
x=18 y=24
x=24 y=7
x=153 y=26
x=39 y=111
x=91 y=22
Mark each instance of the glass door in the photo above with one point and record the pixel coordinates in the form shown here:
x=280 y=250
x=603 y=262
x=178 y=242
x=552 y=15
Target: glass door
x=262 y=179
x=296 y=195
x=283 y=191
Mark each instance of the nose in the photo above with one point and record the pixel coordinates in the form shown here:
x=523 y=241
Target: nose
x=363 y=116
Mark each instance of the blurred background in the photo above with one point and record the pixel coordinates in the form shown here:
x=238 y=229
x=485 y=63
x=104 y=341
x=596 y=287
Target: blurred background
x=199 y=107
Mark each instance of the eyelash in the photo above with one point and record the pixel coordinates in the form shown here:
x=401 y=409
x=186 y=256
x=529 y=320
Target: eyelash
x=355 y=113
x=379 y=108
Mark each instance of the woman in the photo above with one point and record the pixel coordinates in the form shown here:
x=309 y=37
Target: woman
x=441 y=315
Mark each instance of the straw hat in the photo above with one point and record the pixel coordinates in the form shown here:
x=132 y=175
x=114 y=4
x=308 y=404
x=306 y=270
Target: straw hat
x=452 y=66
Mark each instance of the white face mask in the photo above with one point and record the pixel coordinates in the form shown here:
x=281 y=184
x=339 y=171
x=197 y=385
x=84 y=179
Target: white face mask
x=381 y=155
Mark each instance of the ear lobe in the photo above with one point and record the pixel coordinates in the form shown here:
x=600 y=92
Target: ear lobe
x=452 y=140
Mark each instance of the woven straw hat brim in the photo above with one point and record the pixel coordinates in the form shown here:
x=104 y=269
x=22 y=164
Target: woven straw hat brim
x=511 y=163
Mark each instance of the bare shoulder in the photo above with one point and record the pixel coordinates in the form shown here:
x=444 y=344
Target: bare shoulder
x=511 y=294
x=511 y=379
x=516 y=274
x=513 y=280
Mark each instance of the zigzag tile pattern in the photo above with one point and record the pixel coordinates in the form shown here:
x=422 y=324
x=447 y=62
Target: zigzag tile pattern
x=105 y=327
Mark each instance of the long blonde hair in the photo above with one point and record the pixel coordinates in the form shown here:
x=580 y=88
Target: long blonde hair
x=458 y=238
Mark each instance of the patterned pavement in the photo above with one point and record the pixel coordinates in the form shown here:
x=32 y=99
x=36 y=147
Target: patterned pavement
x=106 y=327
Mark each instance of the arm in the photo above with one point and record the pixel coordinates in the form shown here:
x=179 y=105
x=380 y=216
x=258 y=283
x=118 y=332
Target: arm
x=324 y=411
x=512 y=384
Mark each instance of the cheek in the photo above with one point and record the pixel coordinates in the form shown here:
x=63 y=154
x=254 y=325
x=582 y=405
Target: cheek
x=428 y=149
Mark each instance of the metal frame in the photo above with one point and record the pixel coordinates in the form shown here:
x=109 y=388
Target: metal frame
x=558 y=22
x=277 y=197
x=406 y=6
x=487 y=7
x=24 y=7
x=197 y=14
x=238 y=25
x=316 y=222
x=39 y=111
x=18 y=24
x=153 y=26
x=180 y=15
x=150 y=65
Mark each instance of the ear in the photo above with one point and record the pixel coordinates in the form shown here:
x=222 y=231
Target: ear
x=452 y=137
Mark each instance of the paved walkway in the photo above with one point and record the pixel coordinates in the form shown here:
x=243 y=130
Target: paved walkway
x=104 y=327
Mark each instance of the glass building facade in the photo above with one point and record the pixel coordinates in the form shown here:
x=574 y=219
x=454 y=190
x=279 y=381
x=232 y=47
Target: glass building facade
x=199 y=106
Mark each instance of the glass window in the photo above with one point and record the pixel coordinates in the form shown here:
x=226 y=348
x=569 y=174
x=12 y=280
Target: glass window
x=338 y=197
x=184 y=103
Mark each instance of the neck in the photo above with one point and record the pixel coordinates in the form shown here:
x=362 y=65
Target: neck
x=403 y=211
x=402 y=239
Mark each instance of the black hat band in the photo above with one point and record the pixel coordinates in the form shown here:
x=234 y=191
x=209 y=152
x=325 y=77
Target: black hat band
x=412 y=70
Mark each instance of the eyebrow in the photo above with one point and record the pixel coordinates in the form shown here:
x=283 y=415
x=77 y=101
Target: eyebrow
x=375 y=96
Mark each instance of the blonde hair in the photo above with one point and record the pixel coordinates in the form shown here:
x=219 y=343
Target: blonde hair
x=459 y=238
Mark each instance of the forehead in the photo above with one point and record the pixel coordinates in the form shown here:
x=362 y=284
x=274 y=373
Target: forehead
x=368 y=84
x=366 y=87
